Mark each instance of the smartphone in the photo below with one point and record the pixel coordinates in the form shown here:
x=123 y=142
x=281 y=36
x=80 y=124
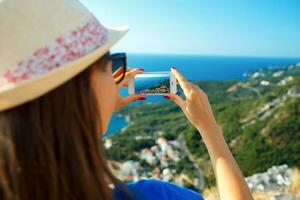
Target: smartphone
x=153 y=83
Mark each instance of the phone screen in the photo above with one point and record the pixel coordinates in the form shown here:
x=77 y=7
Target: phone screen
x=152 y=83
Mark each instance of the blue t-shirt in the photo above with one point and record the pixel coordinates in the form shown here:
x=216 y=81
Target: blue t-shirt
x=149 y=189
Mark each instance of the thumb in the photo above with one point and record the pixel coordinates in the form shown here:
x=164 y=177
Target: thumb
x=176 y=99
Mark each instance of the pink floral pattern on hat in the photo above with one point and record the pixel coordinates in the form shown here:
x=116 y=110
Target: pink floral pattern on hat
x=66 y=48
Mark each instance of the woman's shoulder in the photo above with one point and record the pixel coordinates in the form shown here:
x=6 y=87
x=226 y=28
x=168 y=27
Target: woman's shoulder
x=158 y=189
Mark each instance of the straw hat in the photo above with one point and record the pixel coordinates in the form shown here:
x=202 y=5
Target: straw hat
x=43 y=44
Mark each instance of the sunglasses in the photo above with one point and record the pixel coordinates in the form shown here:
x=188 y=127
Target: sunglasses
x=119 y=63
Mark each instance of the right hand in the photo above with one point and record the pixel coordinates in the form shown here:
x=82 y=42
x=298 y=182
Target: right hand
x=196 y=106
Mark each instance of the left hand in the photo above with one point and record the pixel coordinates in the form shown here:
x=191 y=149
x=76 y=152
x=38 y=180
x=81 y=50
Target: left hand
x=130 y=73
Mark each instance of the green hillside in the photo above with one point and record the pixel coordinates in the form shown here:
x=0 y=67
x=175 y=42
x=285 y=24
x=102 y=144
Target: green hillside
x=260 y=118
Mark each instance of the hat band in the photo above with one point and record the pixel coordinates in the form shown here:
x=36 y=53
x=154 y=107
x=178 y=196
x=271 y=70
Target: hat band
x=66 y=48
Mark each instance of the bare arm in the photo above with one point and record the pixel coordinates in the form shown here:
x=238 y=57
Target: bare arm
x=230 y=180
x=196 y=107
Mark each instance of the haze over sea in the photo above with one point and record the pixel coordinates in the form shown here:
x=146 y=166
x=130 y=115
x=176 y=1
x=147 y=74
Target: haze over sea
x=195 y=67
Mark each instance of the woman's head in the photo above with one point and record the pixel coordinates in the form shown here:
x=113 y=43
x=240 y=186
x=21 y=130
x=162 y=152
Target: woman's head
x=50 y=147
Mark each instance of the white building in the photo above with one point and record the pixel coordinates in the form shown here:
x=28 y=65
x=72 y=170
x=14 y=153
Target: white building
x=162 y=142
x=107 y=143
x=257 y=74
x=147 y=155
x=129 y=169
x=264 y=83
x=285 y=80
x=277 y=74
x=167 y=175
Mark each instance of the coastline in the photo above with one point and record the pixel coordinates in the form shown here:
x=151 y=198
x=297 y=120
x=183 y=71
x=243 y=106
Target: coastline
x=127 y=119
x=128 y=123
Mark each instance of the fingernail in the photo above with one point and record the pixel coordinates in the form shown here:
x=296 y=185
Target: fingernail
x=166 y=97
x=141 y=98
x=141 y=69
x=173 y=67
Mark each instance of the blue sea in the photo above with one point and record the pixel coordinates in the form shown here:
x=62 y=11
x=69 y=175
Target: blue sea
x=197 y=68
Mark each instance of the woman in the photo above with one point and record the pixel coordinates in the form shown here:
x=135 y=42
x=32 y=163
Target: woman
x=58 y=89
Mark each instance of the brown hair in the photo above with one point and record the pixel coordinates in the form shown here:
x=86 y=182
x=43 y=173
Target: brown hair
x=49 y=147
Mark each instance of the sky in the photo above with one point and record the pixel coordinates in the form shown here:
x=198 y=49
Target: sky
x=204 y=27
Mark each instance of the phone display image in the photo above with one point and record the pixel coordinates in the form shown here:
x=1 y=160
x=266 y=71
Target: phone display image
x=153 y=83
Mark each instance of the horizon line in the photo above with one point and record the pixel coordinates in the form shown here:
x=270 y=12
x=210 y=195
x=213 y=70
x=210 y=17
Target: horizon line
x=210 y=55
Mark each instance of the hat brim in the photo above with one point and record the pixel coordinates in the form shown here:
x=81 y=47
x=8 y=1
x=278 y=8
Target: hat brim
x=31 y=89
